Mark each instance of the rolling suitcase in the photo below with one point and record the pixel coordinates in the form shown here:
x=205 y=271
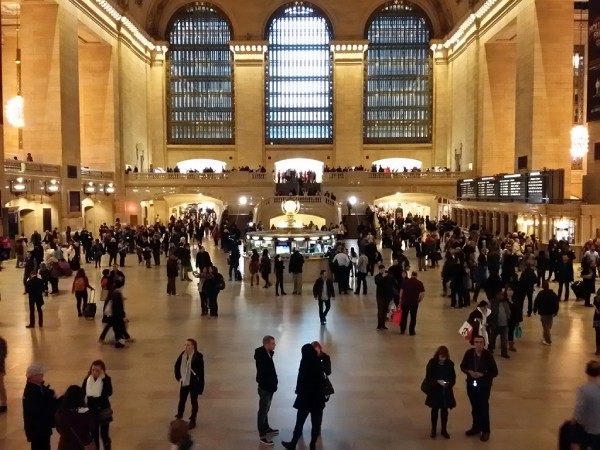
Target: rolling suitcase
x=89 y=310
x=238 y=275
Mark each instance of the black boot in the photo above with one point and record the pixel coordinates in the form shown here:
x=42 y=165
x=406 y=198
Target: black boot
x=444 y=415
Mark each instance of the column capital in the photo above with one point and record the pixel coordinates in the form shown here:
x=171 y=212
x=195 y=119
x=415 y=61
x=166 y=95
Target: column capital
x=248 y=50
x=349 y=50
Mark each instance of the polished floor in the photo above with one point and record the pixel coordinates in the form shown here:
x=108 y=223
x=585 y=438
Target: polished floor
x=377 y=404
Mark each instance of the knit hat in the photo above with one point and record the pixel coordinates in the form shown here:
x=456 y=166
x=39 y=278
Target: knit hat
x=35 y=369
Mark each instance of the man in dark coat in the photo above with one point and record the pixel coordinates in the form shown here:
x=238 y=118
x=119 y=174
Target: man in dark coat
x=384 y=293
x=202 y=259
x=266 y=377
x=295 y=268
x=189 y=371
x=323 y=292
x=39 y=406
x=35 y=289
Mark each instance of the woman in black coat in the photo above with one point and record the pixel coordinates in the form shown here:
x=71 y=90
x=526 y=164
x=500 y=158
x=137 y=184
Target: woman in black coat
x=309 y=397
x=189 y=372
x=279 y=268
x=440 y=379
x=265 y=267
x=98 y=389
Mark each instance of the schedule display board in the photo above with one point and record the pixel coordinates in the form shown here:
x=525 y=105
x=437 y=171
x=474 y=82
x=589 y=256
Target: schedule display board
x=544 y=186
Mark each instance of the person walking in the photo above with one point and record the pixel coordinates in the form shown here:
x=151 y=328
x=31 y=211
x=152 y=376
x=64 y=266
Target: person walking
x=516 y=316
x=98 y=389
x=564 y=275
x=179 y=434
x=362 y=265
x=113 y=315
x=295 y=268
x=480 y=367
x=74 y=422
x=80 y=286
x=172 y=272
x=440 y=378
x=478 y=320
x=39 y=404
x=265 y=267
x=596 y=321
x=498 y=323
x=233 y=260
x=213 y=285
x=3 y=396
x=35 y=292
x=526 y=286
x=384 y=292
x=189 y=372
x=546 y=305
x=279 y=268
x=587 y=408
x=309 y=397
x=254 y=267
x=411 y=295
x=323 y=292
x=266 y=377
x=341 y=264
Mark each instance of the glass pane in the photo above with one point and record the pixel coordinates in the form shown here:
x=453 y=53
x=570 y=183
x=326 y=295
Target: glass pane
x=398 y=81
x=299 y=83
x=199 y=77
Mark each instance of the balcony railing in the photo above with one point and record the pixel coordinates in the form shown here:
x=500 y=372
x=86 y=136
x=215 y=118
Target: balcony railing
x=409 y=177
x=229 y=178
x=277 y=200
x=31 y=168
x=91 y=174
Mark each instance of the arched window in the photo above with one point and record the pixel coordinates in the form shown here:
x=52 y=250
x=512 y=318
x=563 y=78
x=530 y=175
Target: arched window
x=398 y=81
x=200 y=77
x=299 y=83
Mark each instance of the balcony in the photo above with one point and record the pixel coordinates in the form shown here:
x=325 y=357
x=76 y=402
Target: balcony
x=12 y=166
x=255 y=179
x=88 y=174
x=392 y=178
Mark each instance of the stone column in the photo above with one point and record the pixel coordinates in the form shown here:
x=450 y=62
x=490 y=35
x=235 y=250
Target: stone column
x=544 y=85
x=441 y=105
x=511 y=223
x=249 y=79
x=494 y=223
x=348 y=88
x=157 y=118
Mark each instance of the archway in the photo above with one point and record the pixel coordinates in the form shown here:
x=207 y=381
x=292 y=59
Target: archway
x=402 y=204
x=202 y=165
x=398 y=164
x=301 y=219
x=300 y=165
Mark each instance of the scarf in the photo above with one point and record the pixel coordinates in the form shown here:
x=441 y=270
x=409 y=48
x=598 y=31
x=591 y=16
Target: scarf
x=186 y=369
x=93 y=388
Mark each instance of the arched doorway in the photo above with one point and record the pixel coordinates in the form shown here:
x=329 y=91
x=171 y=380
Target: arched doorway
x=202 y=166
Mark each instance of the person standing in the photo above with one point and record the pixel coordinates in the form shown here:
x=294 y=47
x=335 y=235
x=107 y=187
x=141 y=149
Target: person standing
x=266 y=377
x=564 y=275
x=526 y=286
x=254 y=267
x=296 y=264
x=213 y=285
x=480 y=367
x=498 y=322
x=361 y=273
x=440 y=378
x=39 y=405
x=265 y=267
x=203 y=260
x=587 y=407
x=80 y=287
x=341 y=263
x=74 y=422
x=309 y=397
x=412 y=293
x=189 y=372
x=279 y=268
x=323 y=292
x=3 y=354
x=384 y=293
x=546 y=305
x=98 y=389
x=596 y=321
x=35 y=291
x=172 y=272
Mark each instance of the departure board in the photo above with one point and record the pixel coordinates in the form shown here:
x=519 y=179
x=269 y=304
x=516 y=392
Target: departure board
x=545 y=186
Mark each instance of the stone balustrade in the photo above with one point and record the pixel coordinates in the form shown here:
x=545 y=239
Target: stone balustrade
x=13 y=166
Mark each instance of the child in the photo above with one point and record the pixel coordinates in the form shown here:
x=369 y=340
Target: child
x=148 y=256
x=44 y=273
x=104 y=283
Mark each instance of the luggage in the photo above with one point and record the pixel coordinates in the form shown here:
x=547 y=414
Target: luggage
x=89 y=310
x=65 y=269
x=577 y=288
x=238 y=275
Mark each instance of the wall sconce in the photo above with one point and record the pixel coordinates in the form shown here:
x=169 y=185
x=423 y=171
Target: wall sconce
x=51 y=187
x=89 y=188
x=19 y=186
x=109 y=189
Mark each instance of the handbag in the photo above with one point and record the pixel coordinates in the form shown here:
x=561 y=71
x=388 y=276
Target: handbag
x=425 y=386
x=518 y=332
x=328 y=390
x=466 y=330
x=397 y=317
x=105 y=415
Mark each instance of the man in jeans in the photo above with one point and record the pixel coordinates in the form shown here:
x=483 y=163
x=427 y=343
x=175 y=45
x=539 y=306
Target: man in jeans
x=361 y=273
x=587 y=408
x=546 y=305
x=411 y=295
x=266 y=377
x=323 y=291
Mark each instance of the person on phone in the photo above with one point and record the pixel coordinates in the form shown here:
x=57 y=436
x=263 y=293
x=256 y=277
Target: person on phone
x=98 y=389
x=74 y=422
x=266 y=377
x=440 y=378
x=480 y=367
x=189 y=371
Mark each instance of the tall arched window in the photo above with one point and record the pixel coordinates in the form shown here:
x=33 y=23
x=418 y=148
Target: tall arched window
x=398 y=81
x=299 y=83
x=200 y=77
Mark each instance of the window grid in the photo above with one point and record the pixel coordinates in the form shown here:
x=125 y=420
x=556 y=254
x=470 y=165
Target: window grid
x=398 y=81
x=299 y=81
x=200 y=102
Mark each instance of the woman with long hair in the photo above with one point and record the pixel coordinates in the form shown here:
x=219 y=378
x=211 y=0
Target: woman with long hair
x=310 y=398
x=265 y=267
x=74 y=422
x=80 y=287
x=440 y=379
x=98 y=389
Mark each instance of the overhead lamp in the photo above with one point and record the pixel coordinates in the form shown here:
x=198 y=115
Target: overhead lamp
x=89 y=188
x=243 y=200
x=19 y=186
x=14 y=112
x=109 y=189
x=51 y=187
x=352 y=200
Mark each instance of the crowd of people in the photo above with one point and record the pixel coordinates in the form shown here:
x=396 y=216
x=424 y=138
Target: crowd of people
x=381 y=169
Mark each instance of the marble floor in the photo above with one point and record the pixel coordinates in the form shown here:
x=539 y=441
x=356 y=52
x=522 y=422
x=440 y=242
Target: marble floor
x=377 y=405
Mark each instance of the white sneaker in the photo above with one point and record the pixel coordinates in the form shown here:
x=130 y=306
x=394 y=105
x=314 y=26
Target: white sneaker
x=545 y=343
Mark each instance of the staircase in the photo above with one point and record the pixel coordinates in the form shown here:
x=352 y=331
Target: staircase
x=352 y=222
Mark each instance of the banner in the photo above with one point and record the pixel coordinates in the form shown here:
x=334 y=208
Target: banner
x=593 y=87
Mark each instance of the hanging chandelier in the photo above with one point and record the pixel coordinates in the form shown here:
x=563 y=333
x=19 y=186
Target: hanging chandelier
x=14 y=112
x=579 y=141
